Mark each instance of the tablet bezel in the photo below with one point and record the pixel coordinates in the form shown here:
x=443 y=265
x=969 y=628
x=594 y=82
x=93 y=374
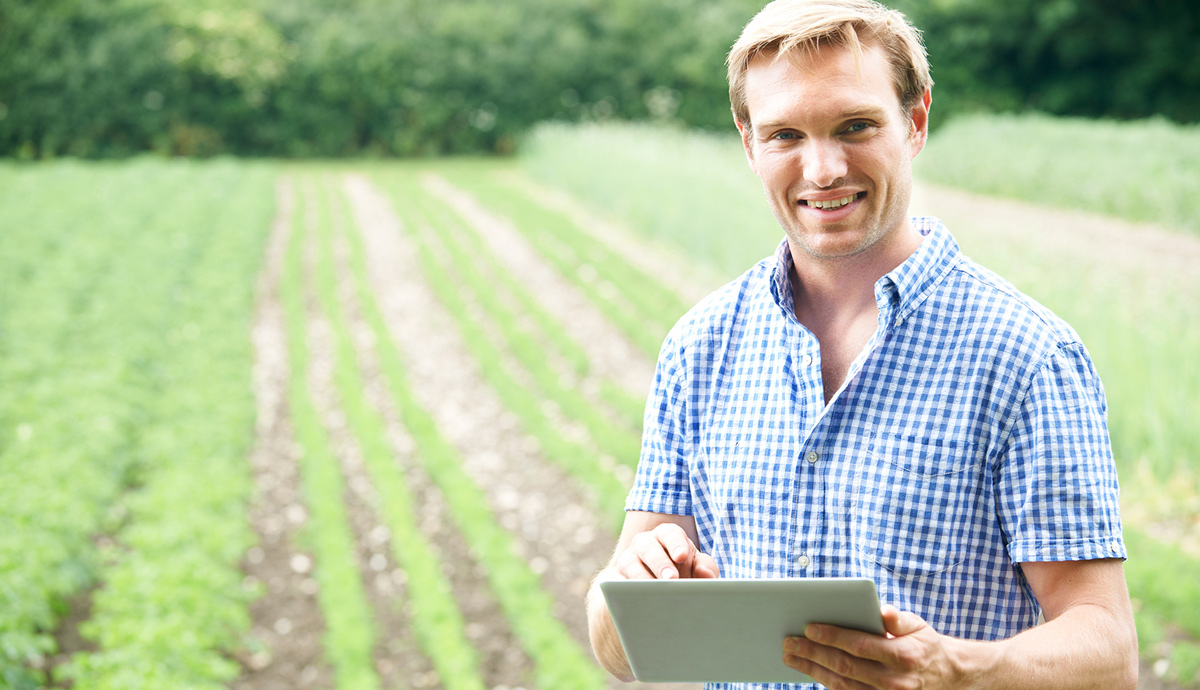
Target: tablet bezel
x=730 y=630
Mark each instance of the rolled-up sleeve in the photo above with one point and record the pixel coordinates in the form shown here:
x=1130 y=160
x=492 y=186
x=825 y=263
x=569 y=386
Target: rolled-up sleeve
x=1056 y=481
x=661 y=484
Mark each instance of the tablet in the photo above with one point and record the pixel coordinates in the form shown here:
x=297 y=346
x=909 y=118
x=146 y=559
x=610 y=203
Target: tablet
x=727 y=630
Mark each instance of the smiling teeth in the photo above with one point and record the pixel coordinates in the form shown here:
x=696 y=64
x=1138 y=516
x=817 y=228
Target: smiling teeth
x=833 y=203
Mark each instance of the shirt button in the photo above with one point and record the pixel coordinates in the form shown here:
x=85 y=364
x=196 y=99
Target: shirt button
x=808 y=360
x=812 y=457
x=803 y=561
x=1114 y=547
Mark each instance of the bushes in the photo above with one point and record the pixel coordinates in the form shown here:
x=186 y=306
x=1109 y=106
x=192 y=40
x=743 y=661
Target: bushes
x=104 y=78
x=315 y=78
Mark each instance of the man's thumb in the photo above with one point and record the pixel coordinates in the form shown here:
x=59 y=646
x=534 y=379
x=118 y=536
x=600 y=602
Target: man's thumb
x=899 y=623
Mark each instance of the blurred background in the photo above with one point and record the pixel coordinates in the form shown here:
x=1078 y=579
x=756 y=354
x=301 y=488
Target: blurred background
x=557 y=181
x=102 y=78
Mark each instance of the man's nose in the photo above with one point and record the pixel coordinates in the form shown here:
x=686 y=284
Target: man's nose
x=824 y=162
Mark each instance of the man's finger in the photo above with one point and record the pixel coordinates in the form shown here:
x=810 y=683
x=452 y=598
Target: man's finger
x=855 y=643
x=899 y=623
x=631 y=567
x=705 y=566
x=675 y=543
x=829 y=665
x=654 y=556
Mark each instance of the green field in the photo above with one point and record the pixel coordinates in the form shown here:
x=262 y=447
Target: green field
x=456 y=405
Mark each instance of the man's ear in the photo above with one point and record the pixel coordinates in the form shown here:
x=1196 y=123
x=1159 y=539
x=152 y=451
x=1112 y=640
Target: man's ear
x=746 y=131
x=919 y=122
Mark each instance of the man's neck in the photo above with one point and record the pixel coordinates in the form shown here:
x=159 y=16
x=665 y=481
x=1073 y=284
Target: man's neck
x=841 y=288
x=835 y=299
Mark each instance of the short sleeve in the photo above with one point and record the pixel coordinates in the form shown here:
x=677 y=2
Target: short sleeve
x=1056 y=481
x=661 y=484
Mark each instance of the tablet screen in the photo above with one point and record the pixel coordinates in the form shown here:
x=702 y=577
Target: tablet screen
x=726 y=630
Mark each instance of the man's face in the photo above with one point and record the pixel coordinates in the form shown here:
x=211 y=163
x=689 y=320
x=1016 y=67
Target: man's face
x=833 y=148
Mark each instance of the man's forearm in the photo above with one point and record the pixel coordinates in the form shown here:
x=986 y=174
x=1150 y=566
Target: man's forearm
x=1086 y=647
x=606 y=644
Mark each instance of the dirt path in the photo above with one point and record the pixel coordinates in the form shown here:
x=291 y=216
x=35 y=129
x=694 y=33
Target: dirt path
x=612 y=355
x=683 y=276
x=503 y=663
x=1152 y=257
x=287 y=619
x=558 y=533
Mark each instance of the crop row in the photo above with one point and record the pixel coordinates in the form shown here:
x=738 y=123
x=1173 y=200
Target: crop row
x=329 y=288
x=437 y=235
x=126 y=417
x=559 y=661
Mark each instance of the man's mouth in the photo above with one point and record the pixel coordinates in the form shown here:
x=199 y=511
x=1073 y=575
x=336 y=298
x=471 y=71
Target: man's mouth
x=831 y=204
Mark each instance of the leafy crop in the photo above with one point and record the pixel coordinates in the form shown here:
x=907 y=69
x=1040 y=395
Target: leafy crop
x=350 y=630
x=436 y=619
x=104 y=299
x=580 y=460
x=173 y=602
x=560 y=663
x=637 y=303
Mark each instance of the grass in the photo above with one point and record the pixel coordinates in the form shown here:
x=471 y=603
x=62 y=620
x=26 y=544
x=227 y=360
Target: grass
x=1161 y=596
x=1140 y=171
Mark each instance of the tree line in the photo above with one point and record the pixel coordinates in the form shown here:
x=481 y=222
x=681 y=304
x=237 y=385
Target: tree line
x=104 y=78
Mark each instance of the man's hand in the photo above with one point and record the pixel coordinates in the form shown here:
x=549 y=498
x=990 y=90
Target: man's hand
x=665 y=552
x=652 y=546
x=912 y=655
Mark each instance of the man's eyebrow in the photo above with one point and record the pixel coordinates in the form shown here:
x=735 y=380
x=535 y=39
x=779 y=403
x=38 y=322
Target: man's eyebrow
x=868 y=112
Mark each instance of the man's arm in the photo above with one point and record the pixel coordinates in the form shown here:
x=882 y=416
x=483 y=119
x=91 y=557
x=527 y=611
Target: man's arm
x=651 y=546
x=1088 y=641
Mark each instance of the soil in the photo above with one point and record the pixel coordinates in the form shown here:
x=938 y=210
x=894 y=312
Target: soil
x=557 y=527
x=288 y=624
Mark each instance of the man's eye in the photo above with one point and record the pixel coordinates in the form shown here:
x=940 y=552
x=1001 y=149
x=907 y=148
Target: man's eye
x=858 y=127
x=786 y=136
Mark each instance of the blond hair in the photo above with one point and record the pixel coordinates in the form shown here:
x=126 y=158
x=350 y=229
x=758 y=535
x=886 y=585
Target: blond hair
x=785 y=26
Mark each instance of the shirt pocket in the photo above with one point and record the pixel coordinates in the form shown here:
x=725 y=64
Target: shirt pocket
x=919 y=503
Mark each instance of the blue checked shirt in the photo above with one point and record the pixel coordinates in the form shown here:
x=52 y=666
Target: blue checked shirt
x=970 y=436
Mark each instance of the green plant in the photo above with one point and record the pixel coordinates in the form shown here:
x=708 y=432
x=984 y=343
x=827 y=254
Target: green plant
x=560 y=663
x=106 y=292
x=350 y=630
x=689 y=189
x=1141 y=171
x=580 y=460
x=173 y=606
x=436 y=619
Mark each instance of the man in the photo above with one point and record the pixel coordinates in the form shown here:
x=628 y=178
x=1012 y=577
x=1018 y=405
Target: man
x=871 y=403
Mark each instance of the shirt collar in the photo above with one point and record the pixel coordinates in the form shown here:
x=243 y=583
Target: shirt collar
x=900 y=291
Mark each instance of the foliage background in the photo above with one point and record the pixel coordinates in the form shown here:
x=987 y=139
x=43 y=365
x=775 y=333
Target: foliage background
x=103 y=78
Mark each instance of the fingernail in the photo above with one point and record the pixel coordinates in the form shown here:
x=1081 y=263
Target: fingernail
x=812 y=632
x=667 y=574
